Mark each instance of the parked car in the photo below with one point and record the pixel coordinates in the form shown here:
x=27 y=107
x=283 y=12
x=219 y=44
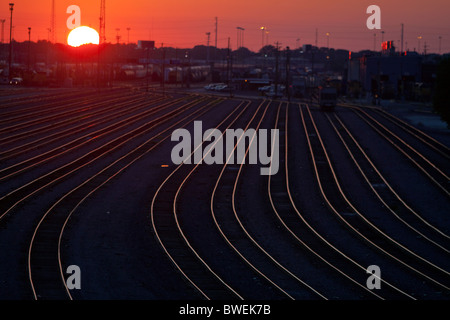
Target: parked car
x=274 y=95
x=264 y=89
x=16 y=81
x=221 y=87
x=212 y=86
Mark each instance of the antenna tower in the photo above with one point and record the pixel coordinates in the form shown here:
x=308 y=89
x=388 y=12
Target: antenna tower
x=102 y=21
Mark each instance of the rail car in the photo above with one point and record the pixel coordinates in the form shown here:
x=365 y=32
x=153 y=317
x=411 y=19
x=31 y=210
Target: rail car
x=327 y=98
x=179 y=74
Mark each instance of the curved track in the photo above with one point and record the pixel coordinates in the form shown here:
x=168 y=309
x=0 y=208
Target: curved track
x=222 y=229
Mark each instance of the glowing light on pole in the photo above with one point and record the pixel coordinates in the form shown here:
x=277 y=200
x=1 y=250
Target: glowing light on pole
x=263 y=32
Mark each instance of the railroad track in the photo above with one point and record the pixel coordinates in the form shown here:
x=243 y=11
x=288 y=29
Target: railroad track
x=49 y=124
x=44 y=136
x=38 y=97
x=167 y=229
x=69 y=110
x=385 y=192
x=85 y=139
x=434 y=172
x=416 y=133
x=339 y=204
x=239 y=238
x=12 y=198
x=45 y=266
x=202 y=216
x=328 y=259
x=421 y=136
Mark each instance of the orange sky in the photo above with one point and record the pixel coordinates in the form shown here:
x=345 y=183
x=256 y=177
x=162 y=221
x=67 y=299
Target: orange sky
x=184 y=23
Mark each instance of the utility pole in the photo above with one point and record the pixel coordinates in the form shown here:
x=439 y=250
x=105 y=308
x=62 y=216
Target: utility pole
x=163 y=72
x=147 y=63
x=3 y=30
x=288 y=68
x=402 y=88
x=402 y=37
x=128 y=31
x=11 y=8
x=29 y=44
x=228 y=63
x=53 y=32
x=229 y=68
x=208 y=34
x=215 y=40
x=277 y=53
x=440 y=39
x=215 y=45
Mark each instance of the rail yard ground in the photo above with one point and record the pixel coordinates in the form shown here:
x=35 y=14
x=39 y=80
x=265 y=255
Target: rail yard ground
x=87 y=180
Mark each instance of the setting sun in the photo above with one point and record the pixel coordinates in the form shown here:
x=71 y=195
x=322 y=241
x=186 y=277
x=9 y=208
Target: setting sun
x=82 y=35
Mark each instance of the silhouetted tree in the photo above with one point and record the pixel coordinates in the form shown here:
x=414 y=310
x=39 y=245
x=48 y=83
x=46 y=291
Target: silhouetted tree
x=268 y=50
x=244 y=52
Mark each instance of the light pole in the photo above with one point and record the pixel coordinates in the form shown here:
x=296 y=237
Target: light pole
x=11 y=8
x=262 y=39
x=328 y=40
x=418 y=47
x=240 y=37
x=128 y=31
x=117 y=35
x=29 y=44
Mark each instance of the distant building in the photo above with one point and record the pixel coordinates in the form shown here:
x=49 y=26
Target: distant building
x=388 y=75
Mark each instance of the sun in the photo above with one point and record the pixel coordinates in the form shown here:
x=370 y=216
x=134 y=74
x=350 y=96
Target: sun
x=82 y=35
